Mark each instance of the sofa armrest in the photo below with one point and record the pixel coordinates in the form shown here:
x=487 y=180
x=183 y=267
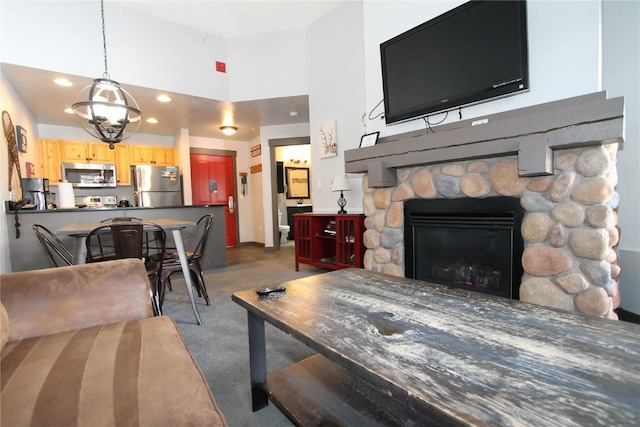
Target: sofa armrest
x=44 y=302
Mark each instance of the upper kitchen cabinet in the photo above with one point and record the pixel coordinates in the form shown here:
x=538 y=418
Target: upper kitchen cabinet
x=123 y=164
x=147 y=155
x=86 y=152
x=49 y=150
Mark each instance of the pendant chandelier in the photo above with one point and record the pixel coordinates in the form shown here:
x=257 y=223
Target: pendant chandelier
x=110 y=109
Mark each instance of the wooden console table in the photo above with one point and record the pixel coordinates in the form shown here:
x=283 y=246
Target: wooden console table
x=396 y=351
x=329 y=241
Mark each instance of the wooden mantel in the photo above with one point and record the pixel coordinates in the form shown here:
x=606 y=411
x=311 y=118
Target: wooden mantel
x=532 y=133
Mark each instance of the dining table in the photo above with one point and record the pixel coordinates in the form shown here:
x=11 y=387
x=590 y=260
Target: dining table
x=80 y=230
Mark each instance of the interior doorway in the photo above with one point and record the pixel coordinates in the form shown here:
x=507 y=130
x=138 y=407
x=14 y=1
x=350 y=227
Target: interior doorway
x=213 y=182
x=279 y=199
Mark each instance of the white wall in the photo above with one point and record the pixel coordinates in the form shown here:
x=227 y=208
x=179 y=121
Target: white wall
x=10 y=102
x=256 y=194
x=267 y=133
x=144 y=51
x=267 y=66
x=621 y=77
x=335 y=66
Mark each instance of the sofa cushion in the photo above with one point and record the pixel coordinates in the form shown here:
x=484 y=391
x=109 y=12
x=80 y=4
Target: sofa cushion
x=132 y=373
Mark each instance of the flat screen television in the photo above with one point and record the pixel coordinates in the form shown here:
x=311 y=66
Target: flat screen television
x=467 y=55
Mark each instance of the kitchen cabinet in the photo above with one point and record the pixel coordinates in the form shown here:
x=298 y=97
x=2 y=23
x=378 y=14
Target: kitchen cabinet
x=148 y=155
x=53 y=152
x=49 y=150
x=86 y=152
x=329 y=241
x=123 y=164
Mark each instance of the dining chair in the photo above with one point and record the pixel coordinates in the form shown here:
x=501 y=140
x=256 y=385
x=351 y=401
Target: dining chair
x=58 y=253
x=194 y=248
x=103 y=249
x=128 y=242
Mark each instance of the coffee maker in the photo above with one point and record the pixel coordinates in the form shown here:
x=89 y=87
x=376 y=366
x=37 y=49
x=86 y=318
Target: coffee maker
x=36 y=192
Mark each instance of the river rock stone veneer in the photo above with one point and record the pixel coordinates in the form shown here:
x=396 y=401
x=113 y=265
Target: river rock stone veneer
x=569 y=229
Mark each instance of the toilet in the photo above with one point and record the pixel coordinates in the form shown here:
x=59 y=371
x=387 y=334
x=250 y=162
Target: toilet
x=284 y=229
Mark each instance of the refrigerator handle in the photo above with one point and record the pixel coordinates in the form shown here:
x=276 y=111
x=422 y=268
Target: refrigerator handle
x=230 y=203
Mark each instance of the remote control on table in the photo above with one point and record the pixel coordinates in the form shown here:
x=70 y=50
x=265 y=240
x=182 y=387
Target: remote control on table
x=269 y=290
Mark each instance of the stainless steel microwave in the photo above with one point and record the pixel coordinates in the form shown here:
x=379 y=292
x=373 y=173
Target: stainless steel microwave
x=89 y=175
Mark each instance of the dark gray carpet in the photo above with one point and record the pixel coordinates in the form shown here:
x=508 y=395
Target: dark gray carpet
x=220 y=346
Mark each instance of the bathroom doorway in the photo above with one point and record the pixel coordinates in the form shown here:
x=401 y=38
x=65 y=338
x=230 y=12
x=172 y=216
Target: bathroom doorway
x=292 y=153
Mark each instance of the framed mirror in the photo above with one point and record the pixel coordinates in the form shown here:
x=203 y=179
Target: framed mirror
x=297 y=183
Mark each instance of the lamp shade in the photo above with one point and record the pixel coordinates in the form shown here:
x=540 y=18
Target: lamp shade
x=340 y=183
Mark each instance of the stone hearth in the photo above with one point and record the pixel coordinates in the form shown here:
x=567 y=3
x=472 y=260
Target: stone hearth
x=569 y=229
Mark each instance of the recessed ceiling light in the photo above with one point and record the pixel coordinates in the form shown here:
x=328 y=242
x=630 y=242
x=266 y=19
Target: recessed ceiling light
x=62 y=82
x=163 y=98
x=68 y=110
x=152 y=120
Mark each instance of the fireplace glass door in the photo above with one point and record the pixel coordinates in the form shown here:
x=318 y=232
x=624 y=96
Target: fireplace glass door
x=447 y=242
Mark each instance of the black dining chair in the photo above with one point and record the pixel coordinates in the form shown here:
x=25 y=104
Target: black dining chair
x=102 y=246
x=58 y=253
x=194 y=247
x=128 y=242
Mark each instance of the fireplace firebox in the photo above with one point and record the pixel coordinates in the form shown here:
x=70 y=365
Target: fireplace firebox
x=474 y=244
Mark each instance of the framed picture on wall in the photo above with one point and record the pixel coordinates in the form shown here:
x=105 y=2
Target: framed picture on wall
x=297 y=183
x=21 y=134
x=369 y=139
x=327 y=138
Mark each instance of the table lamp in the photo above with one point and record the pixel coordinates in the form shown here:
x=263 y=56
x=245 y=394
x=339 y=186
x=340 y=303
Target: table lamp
x=341 y=183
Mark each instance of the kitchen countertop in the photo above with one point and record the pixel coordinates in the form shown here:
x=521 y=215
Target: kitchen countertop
x=110 y=208
x=26 y=252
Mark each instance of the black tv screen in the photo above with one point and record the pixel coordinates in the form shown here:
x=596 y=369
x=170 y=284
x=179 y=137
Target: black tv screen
x=470 y=54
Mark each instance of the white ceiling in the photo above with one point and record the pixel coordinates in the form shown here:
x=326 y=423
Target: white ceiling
x=224 y=18
x=235 y=18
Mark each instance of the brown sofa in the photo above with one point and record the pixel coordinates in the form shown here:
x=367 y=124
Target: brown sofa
x=80 y=346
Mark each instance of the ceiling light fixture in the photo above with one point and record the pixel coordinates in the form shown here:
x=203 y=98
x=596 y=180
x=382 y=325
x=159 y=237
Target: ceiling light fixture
x=152 y=120
x=229 y=130
x=109 y=108
x=163 y=98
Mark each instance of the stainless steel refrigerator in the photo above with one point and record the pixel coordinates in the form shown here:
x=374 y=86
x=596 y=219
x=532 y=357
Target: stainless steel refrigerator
x=157 y=186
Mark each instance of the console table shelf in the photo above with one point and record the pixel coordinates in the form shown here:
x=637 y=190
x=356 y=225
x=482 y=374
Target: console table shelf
x=329 y=241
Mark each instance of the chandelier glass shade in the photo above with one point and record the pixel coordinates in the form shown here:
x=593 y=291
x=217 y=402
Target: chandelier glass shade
x=104 y=109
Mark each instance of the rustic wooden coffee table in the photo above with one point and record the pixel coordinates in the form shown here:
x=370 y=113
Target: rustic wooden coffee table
x=395 y=351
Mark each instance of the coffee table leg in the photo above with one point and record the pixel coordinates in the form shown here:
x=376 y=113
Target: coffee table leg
x=257 y=362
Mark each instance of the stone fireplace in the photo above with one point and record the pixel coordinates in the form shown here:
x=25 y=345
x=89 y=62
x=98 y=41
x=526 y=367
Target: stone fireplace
x=569 y=228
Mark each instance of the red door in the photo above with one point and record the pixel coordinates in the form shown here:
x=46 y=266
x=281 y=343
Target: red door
x=212 y=181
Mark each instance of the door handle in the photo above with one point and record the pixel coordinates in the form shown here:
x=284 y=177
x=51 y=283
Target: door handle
x=230 y=203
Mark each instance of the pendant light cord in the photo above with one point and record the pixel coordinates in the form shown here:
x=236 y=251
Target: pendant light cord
x=104 y=42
